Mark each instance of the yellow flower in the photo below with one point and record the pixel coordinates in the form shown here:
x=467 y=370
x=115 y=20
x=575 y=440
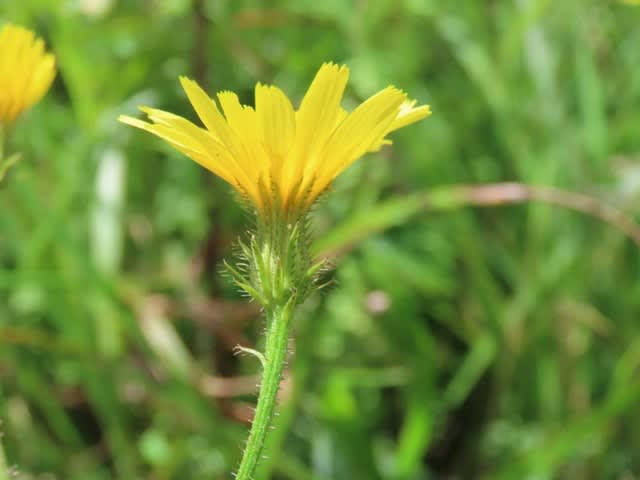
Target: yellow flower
x=26 y=71
x=277 y=157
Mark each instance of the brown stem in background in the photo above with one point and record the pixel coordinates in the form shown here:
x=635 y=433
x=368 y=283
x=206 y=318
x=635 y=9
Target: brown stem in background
x=200 y=52
x=398 y=210
x=225 y=387
x=510 y=192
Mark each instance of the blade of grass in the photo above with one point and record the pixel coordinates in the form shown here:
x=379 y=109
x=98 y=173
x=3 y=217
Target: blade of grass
x=397 y=211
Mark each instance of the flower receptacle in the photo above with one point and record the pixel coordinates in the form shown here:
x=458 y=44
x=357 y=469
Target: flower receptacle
x=275 y=264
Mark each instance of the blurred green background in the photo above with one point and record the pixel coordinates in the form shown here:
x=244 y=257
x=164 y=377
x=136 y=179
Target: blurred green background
x=455 y=341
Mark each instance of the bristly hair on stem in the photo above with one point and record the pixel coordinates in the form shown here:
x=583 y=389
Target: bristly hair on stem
x=274 y=262
x=276 y=269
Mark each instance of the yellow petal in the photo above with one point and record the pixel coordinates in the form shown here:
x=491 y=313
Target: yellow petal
x=220 y=127
x=176 y=123
x=406 y=116
x=211 y=157
x=205 y=107
x=280 y=158
x=244 y=123
x=277 y=129
x=277 y=119
x=232 y=109
x=363 y=128
x=320 y=106
x=241 y=119
x=238 y=158
x=26 y=71
x=317 y=117
x=41 y=80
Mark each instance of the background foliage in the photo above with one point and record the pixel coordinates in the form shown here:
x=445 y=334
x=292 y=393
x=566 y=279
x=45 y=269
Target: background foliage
x=454 y=342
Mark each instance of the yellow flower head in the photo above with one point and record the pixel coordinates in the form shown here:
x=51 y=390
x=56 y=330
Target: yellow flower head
x=276 y=156
x=26 y=71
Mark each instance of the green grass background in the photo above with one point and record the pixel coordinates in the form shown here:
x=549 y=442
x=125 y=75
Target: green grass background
x=454 y=342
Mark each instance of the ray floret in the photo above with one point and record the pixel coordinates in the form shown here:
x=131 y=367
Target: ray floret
x=26 y=71
x=277 y=156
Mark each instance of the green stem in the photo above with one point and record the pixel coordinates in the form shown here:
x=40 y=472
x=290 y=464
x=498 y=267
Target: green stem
x=4 y=471
x=307 y=330
x=278 y=323
x=3 y=137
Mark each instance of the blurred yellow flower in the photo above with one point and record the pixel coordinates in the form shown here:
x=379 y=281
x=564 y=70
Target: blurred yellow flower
x=277 y=157
x=26 y=71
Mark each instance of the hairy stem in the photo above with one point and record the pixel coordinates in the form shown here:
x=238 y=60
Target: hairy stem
x=278 y=324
